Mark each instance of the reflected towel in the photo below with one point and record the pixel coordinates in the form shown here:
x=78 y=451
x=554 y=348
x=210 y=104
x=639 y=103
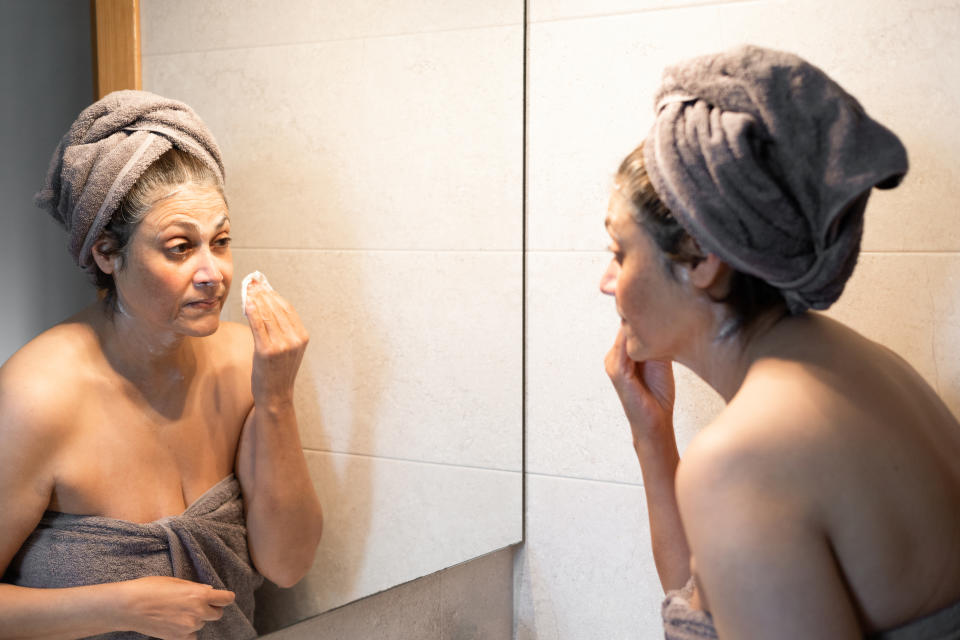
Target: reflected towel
x=106 y=150
x=206 y=543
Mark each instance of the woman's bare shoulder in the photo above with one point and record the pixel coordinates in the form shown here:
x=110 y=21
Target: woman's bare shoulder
x=48 y=374
x=41 y=386
x=768 y=438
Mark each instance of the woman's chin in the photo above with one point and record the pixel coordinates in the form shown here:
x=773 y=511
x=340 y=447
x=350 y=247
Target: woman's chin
x=200 y=327
x=634 y=349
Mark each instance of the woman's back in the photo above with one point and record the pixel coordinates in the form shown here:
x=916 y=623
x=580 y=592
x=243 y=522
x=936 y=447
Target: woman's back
x=875 y=451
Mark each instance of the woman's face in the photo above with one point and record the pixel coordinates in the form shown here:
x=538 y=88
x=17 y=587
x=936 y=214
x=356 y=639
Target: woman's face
x=650 y=301
x=177 y=269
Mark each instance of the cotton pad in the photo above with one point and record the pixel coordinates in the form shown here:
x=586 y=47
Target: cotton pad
x=250 y=277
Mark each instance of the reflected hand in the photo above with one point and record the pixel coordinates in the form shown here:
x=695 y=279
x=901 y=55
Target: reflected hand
x=279 y=341
x=646 y=389
x=171 y=608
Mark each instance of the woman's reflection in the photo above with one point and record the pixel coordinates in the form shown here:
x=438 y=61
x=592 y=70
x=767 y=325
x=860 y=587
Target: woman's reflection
x=150 y=469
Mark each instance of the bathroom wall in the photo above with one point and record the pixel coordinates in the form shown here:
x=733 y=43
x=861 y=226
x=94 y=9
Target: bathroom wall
x=585 y=571
x=47 y=79
x=374 y=172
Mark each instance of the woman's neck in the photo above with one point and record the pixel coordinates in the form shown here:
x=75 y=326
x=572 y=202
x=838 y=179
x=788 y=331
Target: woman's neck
x=145 y=355
x=723 y=353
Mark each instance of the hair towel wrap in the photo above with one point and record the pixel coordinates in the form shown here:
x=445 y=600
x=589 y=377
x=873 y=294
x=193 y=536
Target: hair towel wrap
x=767 y=163
x=106 y=150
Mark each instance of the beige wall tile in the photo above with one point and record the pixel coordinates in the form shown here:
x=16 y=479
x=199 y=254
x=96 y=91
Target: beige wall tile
x=591 y=85
x=411 y=610
x=911 y=304
x=585 y=570
x=413 y=355
x=411 y=142
x=387 y=522
x=476 y=598
x=575 y=425
x=541 y=10
x=184 y=25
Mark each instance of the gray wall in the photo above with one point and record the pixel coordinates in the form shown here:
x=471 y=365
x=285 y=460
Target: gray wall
x=45 y=73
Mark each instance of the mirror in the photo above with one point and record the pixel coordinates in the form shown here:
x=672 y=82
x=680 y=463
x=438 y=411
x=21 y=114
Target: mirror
x=374 y=160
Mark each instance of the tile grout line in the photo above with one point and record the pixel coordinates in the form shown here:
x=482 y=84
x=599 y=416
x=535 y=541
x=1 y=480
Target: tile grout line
x=376 y=250
x=411 y=460
x=867 y=252
x=635 y=12
x=621 y=483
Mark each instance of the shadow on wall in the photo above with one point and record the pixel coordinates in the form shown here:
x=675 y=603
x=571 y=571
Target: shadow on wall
x=348 y=360
x=46 y=73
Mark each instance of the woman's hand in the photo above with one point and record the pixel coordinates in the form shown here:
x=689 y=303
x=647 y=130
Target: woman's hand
x=170 y=608
x=646 y=390
x=279 y=340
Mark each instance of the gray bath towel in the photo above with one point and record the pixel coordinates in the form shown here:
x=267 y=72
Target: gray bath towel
x=764 y=159
x=681 y=622
x=106 y=150
x=207 y=543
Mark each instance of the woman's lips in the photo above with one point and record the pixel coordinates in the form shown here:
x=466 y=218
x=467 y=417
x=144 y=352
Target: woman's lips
x=207 y=303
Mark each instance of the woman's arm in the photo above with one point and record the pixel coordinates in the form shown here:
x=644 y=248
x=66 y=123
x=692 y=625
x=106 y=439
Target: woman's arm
x=158 y=607
x=646 y=390
x=284 y=520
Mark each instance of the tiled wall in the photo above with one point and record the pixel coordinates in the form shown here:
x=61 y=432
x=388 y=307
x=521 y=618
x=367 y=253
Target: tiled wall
x=585 y=571
x=374 y=159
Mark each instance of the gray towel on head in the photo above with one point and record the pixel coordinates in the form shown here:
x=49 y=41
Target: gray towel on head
x=206 y=543
x=767 y=162
x=106 y=150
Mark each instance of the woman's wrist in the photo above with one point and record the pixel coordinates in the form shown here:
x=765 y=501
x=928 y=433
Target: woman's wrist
x=274 y=405
x=115 y=604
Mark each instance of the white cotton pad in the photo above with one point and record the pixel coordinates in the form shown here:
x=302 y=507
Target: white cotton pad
x=250 y=277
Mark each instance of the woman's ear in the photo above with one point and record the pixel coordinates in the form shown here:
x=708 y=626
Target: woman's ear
x=710 y=274
x=107 y=260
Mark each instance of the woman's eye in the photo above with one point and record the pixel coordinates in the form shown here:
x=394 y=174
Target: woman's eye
x=179 y=248
x=224 y=241
x=617 y=255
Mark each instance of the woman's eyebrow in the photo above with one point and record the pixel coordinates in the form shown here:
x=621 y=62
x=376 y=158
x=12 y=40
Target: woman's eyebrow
x=196 y=227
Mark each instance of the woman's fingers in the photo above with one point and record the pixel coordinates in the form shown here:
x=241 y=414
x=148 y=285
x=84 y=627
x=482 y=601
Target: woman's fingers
x=220 y=597
x=278 y=323
x=280 y=340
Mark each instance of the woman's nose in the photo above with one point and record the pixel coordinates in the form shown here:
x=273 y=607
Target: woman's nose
x=608 y=283
x=208 y=272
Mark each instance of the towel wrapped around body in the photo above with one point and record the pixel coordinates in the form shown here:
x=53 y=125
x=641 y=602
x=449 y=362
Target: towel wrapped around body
x=207 y=543
x=683 y=622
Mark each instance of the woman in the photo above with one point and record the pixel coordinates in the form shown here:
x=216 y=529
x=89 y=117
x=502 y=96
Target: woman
x=151 y=469
x=824 y=500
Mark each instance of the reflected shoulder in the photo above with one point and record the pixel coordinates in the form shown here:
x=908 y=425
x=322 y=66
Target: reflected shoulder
x=41 y=386
x=236 y=336
x=231 y=346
